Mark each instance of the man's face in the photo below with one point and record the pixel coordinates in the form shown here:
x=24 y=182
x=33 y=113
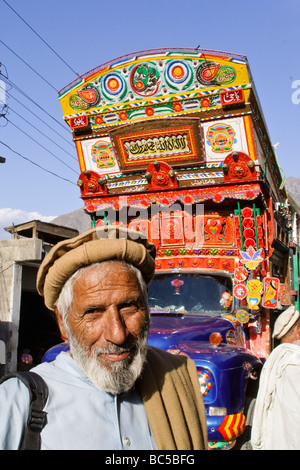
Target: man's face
x=108 y=326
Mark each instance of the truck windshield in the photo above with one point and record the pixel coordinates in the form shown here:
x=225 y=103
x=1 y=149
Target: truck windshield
x=190 y=294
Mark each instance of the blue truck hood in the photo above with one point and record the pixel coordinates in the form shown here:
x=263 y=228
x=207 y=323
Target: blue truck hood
x=169 y=330
x=190 y=335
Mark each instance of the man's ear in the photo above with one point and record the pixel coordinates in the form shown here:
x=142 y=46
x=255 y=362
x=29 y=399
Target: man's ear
x=62 y=328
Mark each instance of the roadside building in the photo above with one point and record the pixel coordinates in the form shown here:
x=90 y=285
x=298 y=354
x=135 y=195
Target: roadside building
x=26 y=327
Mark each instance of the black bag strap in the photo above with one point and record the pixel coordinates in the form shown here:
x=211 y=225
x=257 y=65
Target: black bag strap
x=37 y=418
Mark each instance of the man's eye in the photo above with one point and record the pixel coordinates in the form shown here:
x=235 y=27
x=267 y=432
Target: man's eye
x=93 y=311
x=129 y=308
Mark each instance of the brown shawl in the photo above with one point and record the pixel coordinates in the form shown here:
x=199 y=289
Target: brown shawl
x=171 y=394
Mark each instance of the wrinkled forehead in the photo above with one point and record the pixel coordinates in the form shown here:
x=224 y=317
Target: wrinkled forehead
x=108 y=276
x=107 y=270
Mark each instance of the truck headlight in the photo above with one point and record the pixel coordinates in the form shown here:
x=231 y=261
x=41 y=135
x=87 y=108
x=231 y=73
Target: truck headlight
x=206 y=380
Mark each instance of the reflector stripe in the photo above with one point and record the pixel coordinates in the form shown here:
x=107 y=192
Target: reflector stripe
x=232 y=426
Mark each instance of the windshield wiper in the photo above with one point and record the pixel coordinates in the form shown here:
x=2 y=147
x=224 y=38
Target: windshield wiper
x=167 y=313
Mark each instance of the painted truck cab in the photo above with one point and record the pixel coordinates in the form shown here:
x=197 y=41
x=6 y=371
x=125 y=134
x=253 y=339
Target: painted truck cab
x=190 y=317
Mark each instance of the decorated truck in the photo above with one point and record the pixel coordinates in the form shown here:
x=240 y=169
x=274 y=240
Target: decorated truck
x=173 y=143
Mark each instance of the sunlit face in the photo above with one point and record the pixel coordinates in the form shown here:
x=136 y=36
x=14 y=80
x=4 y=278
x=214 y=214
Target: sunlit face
x=107 y=325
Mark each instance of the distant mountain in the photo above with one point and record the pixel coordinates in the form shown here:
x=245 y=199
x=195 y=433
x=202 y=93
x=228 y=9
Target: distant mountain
x=292 y=185
x=77 y=219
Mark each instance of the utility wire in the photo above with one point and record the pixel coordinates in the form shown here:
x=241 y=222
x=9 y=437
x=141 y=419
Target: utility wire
x=44 y=122
x=37 y=129
x=31 y=68
x=42 y=79
x=30 y=99
x=45 y=148
x=41 y=38
x=36 y=164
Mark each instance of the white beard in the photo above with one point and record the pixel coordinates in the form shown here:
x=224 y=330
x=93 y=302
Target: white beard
x=113 y=377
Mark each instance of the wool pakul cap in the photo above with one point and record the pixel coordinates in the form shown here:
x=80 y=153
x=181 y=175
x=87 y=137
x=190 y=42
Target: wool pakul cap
x=96 y=245
x=285 y=322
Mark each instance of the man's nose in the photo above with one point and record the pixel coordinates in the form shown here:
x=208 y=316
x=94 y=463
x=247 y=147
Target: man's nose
x=115 y=329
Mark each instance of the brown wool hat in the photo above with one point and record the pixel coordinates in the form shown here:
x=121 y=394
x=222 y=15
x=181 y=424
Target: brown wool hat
x=96 y=245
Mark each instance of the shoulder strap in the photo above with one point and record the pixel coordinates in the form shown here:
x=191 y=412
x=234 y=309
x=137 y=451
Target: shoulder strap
x=37 y=418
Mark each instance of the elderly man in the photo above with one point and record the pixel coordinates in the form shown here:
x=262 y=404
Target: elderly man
x=276 y=421
x=111 y=391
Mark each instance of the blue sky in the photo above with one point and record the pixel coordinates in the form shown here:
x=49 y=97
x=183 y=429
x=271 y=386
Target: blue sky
x=83 y=35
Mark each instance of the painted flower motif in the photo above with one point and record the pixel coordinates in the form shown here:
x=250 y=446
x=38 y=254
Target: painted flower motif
x=188 y=200
x=165 y=202
x=139 y=85
x=218 y=197
x=177 y=107
x=123 y=116
x=161 y=178
x=226 y=300
x=205 y=102
x=240 y=291
x=99 y=120
x=149 y=111
x=226 y=264
x=251 y=258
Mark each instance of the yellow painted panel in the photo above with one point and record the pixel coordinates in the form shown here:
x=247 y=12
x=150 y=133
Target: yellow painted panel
x=150 y=79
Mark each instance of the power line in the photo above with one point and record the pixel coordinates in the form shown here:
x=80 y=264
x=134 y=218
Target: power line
x=45 y=148
x=36 y=128
x=25 y=106
x=36 y=104
x=40 y=132
x=31 y=68
x=40 y=119
x=36 y=164
x=51 y=48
